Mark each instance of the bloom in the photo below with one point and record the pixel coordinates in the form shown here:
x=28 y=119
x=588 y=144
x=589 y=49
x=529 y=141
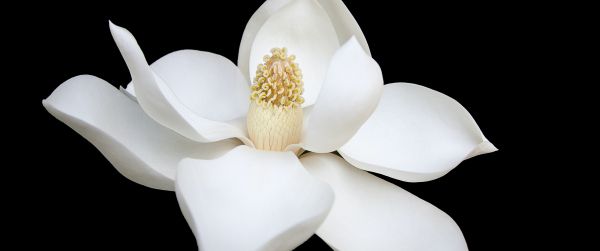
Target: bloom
x=180 y=128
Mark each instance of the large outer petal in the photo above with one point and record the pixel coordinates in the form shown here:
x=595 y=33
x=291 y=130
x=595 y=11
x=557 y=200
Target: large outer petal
x=305 y=29
x=208 y=84
x=415 y=134
x=160 y=102
x=371 y=214
x=138 y=147
x=344 y=23
x=251 y=200
x=349 y=95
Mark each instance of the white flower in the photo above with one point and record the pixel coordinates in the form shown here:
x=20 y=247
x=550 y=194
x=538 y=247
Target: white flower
x=182 y=125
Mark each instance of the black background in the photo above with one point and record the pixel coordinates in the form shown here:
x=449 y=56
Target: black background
x=68 y=196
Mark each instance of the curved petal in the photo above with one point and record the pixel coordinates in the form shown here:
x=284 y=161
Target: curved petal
x=342 y=20
x=139 y=148
x=344 y=23
x=304 y=28
x=251 y=200
x=208 y=84
x=415 y=134
x=349 y=95
x=371 y=214
x=257 y=20
x=160 y=102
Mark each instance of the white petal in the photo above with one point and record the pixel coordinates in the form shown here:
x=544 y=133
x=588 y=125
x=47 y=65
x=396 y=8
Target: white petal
x=129 y=91
x=372 y=214
x=342 y=20
x=304 y=29
x=251 y=200
x=257 y=20
x=140 y=149
x=208 y=84
x=415 y=134
x=349 y=95
x=344 y=23
x=161 y=103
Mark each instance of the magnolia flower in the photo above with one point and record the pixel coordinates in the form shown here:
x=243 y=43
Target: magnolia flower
x=248 y=148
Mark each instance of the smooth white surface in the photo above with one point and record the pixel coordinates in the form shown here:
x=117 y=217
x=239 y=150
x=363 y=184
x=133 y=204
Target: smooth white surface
x=160 y=102
x=349 y=95
x=208 y=84
x=344 y=23
x=251 y=200
x=303 y=27
x=415 y=134
x=139 y=148
x=342 y=20
x=372 y=214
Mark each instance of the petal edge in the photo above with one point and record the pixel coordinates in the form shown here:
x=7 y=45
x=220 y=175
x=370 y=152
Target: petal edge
x=139 y=148
x=262 y=200
x=370 y=213
x=416 y=134
x=353 y=86
x=161 y=104
x=297 y=26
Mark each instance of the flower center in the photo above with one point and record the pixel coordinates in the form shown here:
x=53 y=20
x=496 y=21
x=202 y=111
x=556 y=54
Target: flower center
x=275 y=116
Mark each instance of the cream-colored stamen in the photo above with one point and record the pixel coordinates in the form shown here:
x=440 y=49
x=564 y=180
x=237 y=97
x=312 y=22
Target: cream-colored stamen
x=275 y=117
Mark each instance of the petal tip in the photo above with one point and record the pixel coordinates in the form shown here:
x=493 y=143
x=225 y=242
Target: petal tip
x=112 y=26
x=76 y=83
x=121 y=35
x=483 y=148
x=487 y=147
x=492 y=147
x=47 y=104
x=115 y=29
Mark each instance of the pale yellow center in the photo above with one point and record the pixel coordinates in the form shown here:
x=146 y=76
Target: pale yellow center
x=278 y=81
x=275 y=116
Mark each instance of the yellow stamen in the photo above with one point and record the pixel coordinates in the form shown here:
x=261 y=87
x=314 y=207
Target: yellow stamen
x=275 y=116
x=277 y=76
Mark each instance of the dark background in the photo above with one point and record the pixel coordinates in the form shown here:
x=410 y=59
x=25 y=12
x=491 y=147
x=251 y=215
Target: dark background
x=68 y=196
